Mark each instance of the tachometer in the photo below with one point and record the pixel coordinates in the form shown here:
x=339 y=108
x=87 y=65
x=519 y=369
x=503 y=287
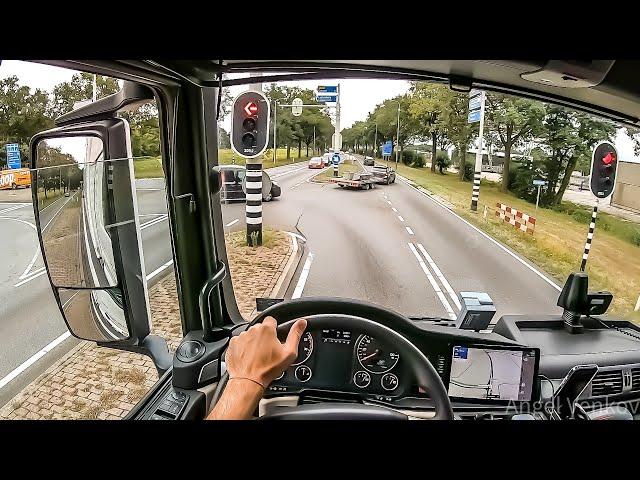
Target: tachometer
x=374 y=357
x=305 y=348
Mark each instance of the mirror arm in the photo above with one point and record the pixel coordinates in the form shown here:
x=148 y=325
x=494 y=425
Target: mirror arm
x=153 y=346
x=131 y=95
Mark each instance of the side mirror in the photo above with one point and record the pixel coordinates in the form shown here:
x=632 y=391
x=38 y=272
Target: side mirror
x=86 y=216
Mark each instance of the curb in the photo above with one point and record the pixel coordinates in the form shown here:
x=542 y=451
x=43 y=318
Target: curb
x=284 y=282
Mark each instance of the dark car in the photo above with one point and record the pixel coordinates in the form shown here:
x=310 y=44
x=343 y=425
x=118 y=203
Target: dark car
x=233 y=184
x=368 y=161
x=383 y=174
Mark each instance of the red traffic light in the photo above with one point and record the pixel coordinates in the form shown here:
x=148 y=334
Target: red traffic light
x=609 y=158
x=251 y=108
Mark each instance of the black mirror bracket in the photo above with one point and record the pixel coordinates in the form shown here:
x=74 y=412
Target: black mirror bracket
x=153 y=346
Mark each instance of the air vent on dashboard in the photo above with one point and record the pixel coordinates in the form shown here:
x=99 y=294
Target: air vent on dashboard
x=606 y=382
x=635 y=379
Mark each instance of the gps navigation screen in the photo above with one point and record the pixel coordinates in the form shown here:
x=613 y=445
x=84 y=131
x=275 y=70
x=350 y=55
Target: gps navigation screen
x=492 y=374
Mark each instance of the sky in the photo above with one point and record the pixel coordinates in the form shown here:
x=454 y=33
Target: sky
x=358 y=97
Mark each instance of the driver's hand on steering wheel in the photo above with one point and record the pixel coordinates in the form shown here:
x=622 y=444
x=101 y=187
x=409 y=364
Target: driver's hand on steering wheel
x=254 y=359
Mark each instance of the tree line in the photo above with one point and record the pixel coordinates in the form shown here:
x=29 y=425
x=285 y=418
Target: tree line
x=24 y=113
x=550 y=141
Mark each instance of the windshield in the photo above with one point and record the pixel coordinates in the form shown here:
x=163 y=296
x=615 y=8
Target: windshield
x=426 y=194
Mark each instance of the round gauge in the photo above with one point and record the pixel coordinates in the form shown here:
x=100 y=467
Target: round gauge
x=389 y=381
x=280 y=376
x=373 y=357
x=303 y=373
x=305 y=347
x=362 y=379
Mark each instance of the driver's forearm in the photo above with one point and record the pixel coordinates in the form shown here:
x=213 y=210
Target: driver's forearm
x=238 y=401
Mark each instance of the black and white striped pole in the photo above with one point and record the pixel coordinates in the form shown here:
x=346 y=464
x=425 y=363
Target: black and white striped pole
x=253 y=208
x=587 y=245
x=249 y=138
x=476 y=114
x=602 y=182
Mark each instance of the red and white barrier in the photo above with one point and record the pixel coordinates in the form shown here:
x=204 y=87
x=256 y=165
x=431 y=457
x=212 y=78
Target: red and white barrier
x=519 y=220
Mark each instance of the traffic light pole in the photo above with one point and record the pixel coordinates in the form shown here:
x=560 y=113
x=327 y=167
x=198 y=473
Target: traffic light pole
x=587 y=245
x=253 y=186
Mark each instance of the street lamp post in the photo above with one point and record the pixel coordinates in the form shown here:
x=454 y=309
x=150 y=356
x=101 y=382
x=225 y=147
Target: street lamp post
x=375 y=143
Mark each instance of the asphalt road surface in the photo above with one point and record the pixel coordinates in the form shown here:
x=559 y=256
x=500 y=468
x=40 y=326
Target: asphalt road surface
x=391 y=245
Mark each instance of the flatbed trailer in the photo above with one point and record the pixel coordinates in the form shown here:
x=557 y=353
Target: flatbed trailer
x=363 y=181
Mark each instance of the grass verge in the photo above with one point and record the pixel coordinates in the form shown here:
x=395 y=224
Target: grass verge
x=151 y=167
x=558 y=242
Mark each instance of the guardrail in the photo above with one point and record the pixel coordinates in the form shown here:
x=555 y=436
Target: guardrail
x=521 y=221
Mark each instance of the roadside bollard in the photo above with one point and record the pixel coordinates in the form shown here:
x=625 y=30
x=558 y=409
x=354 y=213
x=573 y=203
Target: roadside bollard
x=335 y=170
x=484 y=214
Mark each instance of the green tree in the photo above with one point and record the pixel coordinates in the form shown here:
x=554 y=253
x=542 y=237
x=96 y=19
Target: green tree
x=22 y=114
x=427 y=105
x=454 y=122
x=513 y=121
x=80 y=88
x=567 y=136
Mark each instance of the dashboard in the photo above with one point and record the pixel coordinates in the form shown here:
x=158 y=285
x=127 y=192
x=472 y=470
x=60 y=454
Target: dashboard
x=353 y=364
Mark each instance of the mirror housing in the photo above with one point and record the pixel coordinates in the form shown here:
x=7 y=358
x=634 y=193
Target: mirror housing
x=120 y=205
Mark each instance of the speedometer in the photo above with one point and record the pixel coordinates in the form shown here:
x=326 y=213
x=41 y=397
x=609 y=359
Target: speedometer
x=374 y=357
x=305 y=348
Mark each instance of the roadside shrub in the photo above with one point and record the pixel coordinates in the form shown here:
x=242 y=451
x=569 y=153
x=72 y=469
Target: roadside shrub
x=635 y=238
x=413 y=158
x=469 y=170
x=581 y=216
x=442 y=161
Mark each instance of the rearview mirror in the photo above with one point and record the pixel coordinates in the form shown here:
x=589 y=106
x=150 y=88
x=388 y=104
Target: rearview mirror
x=86 y=215
x=73 y=209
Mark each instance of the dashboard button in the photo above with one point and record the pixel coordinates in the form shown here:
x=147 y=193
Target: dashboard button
x=389 y=381
x=303 y=373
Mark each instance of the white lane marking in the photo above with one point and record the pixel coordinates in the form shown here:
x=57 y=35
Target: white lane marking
x=298 y=236
x=33 y=359
x=58 y=211
x=292 y=257
x=289 y=172
x=151 y=215
x=400 y=218
x=498 y=244
x=441 y=277
x=232 y=222
x=27 y=271
x=28 y=279
x=433 y=282
x=21 y=221
x=388 y=202
x=159 y=269
x=297 y=293
x=395 y=209
x=409 y=231
x=11 y=209
x=150 y=223
x=149 y=189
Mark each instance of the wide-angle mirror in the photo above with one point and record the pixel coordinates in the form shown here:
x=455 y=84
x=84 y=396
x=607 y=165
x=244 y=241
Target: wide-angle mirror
x=72 y=201
x=95 y=315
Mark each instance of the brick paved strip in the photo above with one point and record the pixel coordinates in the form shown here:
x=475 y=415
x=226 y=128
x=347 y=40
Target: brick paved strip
x=92 y=382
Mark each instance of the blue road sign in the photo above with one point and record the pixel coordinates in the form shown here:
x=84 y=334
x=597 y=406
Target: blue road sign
x=539 y=182
x=474 y=116
x=13 y=156
x=327 y=89
x=474 y=103
x=335 y=159
x=326 y=98
x=387 y=148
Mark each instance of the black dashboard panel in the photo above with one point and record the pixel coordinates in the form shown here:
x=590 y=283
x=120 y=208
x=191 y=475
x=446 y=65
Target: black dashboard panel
x=350 y=363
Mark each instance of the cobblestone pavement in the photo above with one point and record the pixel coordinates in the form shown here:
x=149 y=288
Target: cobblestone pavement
x=92 y=382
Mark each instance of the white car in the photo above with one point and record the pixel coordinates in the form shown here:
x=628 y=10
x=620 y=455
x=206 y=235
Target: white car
x=316 y=162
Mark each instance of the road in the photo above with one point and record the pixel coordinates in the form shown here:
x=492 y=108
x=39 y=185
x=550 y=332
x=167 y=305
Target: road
x=391 y=245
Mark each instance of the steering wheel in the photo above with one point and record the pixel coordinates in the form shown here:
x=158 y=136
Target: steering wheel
x=370 y=319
